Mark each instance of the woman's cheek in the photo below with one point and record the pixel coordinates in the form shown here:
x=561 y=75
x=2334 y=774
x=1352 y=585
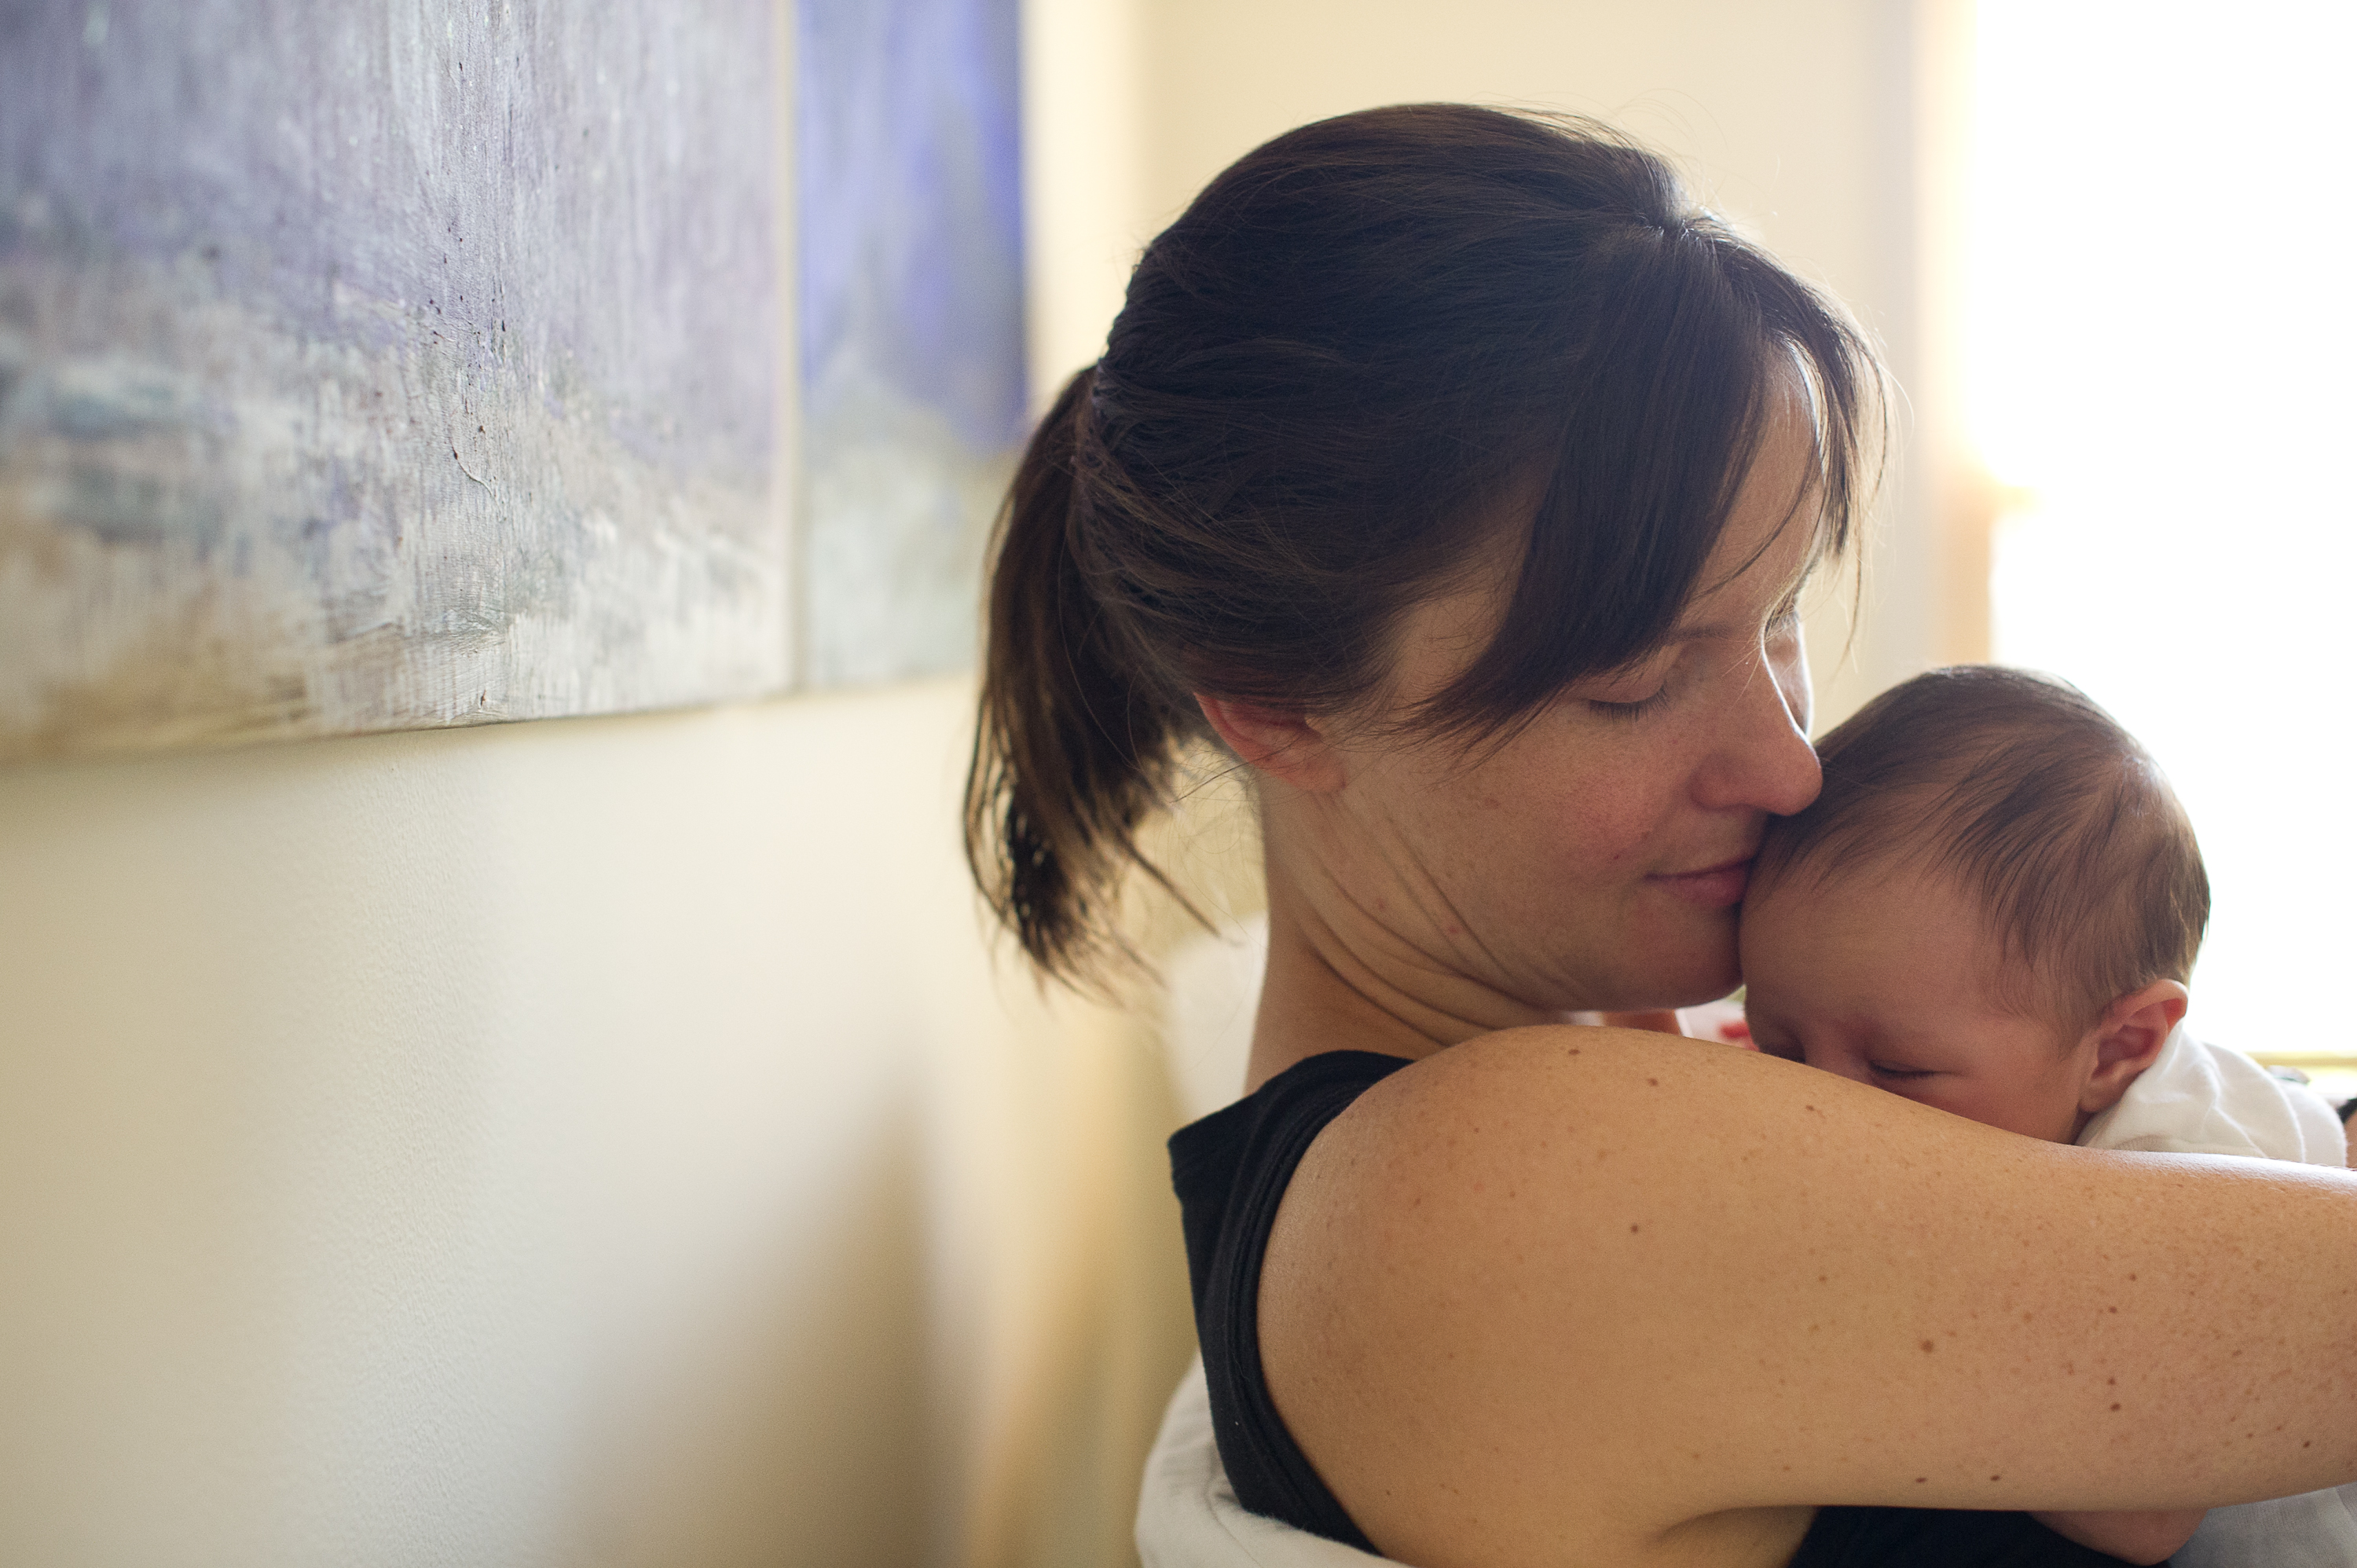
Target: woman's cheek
x=1619 y=840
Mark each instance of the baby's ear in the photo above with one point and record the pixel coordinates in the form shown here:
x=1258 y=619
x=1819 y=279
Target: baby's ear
x=2128 y=1039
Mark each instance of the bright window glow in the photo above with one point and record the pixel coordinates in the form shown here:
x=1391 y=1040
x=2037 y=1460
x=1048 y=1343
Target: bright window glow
x=2161 y=359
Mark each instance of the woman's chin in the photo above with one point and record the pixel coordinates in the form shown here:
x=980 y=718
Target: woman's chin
x=1688 y=958
x=1696 y=978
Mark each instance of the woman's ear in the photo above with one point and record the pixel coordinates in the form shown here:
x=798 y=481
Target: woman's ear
x=2128 y=1038
x=1285 y=746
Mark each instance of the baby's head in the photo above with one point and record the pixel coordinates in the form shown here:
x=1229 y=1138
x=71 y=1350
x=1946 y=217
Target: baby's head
x=1992 y=908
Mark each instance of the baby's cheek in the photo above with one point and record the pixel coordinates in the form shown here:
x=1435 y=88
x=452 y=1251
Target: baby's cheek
x=2015 y=1110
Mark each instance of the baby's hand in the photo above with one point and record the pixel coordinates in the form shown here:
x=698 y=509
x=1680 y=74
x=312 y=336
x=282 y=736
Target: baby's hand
x=2146 y=1536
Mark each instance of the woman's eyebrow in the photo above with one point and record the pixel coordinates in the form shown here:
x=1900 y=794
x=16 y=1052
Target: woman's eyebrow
x=1683 y=633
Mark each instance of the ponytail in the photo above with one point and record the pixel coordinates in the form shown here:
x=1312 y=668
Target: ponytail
x=1070 y=754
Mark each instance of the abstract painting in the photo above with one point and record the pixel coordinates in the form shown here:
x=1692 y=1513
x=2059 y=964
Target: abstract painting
x=911 y=319
x=383 y=366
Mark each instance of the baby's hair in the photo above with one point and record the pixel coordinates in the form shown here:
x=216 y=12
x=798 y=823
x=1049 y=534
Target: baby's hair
x=2039 y=804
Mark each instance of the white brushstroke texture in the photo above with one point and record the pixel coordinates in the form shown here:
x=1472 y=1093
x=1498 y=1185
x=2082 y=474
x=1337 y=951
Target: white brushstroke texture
x=374 y=395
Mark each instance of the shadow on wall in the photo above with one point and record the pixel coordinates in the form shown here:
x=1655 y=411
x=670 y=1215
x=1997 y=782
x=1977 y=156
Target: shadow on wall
x=795 y=1413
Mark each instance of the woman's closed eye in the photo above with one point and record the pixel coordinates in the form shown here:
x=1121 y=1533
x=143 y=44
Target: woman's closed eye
x=1636 y=710
x=1633 y=692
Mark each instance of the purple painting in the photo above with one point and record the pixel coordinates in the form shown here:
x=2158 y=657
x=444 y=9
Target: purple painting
x=914 y=398
x=369 y=367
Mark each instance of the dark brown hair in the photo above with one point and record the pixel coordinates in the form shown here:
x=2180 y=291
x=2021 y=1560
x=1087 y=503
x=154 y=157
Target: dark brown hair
x=2043 y=808
x=1330 y=375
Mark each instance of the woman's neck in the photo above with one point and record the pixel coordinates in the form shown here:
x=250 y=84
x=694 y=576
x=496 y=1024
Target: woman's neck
x=1337 y=981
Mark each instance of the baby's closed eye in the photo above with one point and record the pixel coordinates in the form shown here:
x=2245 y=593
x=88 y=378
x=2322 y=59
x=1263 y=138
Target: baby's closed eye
x=1898 y=1074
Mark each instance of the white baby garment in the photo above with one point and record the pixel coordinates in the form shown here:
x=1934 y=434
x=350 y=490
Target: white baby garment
x=2200 y=1099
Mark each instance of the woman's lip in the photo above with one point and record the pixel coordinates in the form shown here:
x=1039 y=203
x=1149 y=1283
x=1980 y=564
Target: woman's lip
x=1713 y=887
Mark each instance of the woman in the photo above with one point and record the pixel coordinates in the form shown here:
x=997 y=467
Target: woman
x=1459 y=479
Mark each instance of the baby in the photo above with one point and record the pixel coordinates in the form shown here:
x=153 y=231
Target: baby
x=1992 y=908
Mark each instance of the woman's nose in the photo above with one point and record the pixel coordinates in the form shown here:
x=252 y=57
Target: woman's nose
x=1763 y=760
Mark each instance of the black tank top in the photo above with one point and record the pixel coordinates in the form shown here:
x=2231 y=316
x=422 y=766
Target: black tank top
x=1230 y=1170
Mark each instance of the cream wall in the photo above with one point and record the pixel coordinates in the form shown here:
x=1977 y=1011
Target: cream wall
x=608 y=1142
x=584 y=1143
x=423 y=1148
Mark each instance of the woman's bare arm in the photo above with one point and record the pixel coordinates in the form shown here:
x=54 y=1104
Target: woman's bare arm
x=1601 y=1292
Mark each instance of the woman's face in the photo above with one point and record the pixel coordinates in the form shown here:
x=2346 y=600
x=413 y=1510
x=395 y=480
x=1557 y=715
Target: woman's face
x=1596 y=859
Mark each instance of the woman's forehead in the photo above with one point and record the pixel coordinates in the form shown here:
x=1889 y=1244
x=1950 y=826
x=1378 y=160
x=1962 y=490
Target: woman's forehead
x=1775 y=532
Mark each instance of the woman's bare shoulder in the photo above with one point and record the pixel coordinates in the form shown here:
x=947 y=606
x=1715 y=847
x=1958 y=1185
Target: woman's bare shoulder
x=1558 y=1283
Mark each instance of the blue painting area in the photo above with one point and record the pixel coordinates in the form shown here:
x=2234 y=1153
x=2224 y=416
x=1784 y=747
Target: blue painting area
x=596 y=177
x=915 y=398
x=383 y=365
